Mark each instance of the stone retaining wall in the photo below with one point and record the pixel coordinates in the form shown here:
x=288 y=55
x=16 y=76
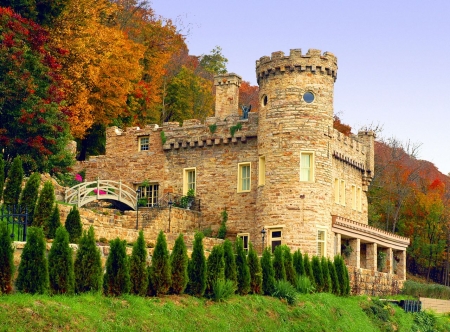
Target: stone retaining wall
x=373 y=283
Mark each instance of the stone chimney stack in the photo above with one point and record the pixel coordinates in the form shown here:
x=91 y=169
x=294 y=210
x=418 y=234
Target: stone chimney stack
x=227 y=95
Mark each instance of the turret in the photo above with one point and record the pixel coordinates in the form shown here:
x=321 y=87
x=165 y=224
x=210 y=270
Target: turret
x=227 y=95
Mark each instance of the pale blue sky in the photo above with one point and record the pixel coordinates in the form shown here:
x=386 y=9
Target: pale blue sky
x=393 y=56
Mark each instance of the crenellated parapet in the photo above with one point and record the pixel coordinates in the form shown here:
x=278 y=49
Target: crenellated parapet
x=215 y=131
x=313 y=62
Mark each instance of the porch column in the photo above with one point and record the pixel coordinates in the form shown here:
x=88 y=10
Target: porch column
x=371 y=256
x=354 y=258
x=388 y=267
x=337 y=244
x=401 y=265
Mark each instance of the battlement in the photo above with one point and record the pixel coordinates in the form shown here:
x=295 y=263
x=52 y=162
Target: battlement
x=313 y=61
x=227 y=79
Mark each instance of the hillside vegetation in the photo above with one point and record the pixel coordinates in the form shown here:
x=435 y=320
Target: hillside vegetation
x=318 y=312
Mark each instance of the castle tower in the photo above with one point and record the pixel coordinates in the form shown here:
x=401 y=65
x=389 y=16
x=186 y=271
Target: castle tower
x=295 y=122
x=227 y=95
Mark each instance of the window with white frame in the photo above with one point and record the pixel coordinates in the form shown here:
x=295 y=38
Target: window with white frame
x=354 y=197
x=144 y=143
x=321 y=242
x=336 y=190
x=149 y=194
x=245 y=240
x=306 y=166
x=275 y=238
x=189 y=179
x=359 y=198
x=244 y=180
x=342 y=192
x=262 y=171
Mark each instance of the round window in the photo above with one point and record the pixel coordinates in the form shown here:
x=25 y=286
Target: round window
x=308 y=97
x=264 y=100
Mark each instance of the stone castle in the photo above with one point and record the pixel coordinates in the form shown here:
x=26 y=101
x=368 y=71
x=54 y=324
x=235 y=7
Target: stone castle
x=283 y=174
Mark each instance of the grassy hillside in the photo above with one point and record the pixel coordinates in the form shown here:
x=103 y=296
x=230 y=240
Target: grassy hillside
x=318 y=312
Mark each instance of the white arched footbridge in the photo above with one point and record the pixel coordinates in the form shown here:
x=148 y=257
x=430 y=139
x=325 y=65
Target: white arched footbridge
x=108 y=190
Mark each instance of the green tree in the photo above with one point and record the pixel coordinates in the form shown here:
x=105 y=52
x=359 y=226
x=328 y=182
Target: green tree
x=179 y=263
x=54 y=222
x=116 y=280
x=73 y=225
x=30 y=195
x=6 y=260
x=88 y=264
x=278 y=263
x=230 y=262
x=2 y=175
x=308 y=269
x=197 y=267
x=334 y=278
x=298 y=263
x=138 y=267
x=214 y=63
x=288 y=265
x=161 y=266
x=215 y=267
x=327 y=284
x=14 y=182
x=151 y=285
x=255 y=271
x=60 y=264
x=44 y=207
x=222 y=233
x=318 y=275
x=268 y=273
x=243 y=272
x=33 y=268
x=342 y=274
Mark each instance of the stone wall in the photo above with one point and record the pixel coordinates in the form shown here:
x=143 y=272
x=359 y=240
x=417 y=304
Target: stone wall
x=373 y=283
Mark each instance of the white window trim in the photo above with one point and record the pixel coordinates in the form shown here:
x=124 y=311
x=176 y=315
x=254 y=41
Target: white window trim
x=336 y=190
x=140 y=144
x=342 y=188
x=154 y=198
x=359 y=198
x=185 y=179
x=354 y=198
x=324 y=230
x=262 y=171
x=239 y=179
x=271 y=238
x=312 y=165
x=248 y=240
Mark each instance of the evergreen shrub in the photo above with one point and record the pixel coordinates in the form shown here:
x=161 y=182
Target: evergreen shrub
x=222 y=290
x=2 y=175
x=298 y=263
x=222 y=233
x=13 y=185
x=197 y=268
x=54 y=222
x=230 y=262
x=334 y=278
x=60 y=264
x=116 y=280
x=30 y=195
x=44 y=207
x=73 y=225
x=179 y=262
x=255 y=271
x=138 y=267
x=327 y=284
x=278 y=263
x=285 y=290
x=161 y=266
x=308 y=269
x=288 y=265
x=215 y=268
x=6 y=259
x=268 y=273
x=243 y=272
x=318 y=275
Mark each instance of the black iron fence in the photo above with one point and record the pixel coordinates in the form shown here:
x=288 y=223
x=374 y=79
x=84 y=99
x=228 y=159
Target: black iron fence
x=16 y=218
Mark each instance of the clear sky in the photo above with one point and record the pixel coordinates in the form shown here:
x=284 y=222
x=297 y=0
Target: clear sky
x=393 y=55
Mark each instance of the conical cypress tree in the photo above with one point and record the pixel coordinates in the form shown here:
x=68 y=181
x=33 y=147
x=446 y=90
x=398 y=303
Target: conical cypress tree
x=60 y=264
x=334 y=278
x=116 y=280
x=346 y=279
x=327 y=285
x=317 y=271
x=44 y=207
x=33 y=268
x=54 y=222
x=30 y=195
x=243 y=272
x=73 y=225
x=298 y=263
x=88 y=264
x=340 y=271
x=138 y=267
x=308 y=269
x=268 y=273
x=230 y=262
x=197 y=267
x=2 y=175
x=278 y=263
x=179 y=263
x=288 y=265
x=255 y=271
x=14 y=183
x=161 y=266
x=151 y=285
x=215 y=268
x=6 y=259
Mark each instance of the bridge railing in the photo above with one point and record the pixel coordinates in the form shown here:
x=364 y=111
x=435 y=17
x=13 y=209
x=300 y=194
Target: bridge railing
x=86 y=192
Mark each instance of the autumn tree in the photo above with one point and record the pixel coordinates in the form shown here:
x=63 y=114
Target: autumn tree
x=42 y=12
x=249 y=95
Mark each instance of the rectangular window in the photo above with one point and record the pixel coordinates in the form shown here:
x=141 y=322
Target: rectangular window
x=342 y=192
x=246 y=240
x=244 y=182
x=359 y=199
x=262 y=171
x=336 y=191
x=150 y=193
x=354 y=198
x=189 y=180
x=275 y=238
x=144 y=143
x=306 y=166
x=321 y=243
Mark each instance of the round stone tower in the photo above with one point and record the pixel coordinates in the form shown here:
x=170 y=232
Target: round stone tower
x=294 y=135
